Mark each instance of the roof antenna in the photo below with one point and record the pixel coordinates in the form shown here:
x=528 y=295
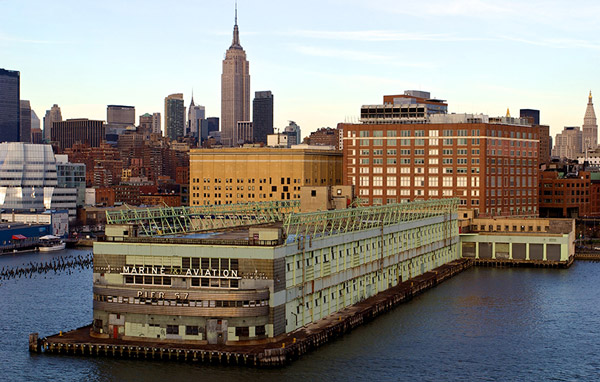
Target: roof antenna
x=236 y=12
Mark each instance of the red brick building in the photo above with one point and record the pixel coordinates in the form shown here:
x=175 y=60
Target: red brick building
x=491 y=167
x=171 y=200
x=105 y=196
x=569 y=195
x=325 y=136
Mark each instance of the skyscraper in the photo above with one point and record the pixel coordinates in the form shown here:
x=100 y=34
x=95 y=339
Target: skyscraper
x=120 y=115
x=590 y=127
x=10 y=109
x=118 y=119
x=36 y=131
x=262 y=116
x=213 y=124
x=52 y=115
x=235 y=89
x=293 y=133
x=78 y=130
x=145 y=125
x=568 y=143
x=196 y=114
x=530 y=114
x=156 y=129
x=174 y=116
x=25 y=123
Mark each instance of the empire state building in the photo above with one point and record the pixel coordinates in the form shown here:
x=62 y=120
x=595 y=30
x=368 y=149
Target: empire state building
x=235 y=89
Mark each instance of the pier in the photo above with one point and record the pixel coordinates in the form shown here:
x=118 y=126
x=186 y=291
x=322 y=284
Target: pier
x=516 y=263
x=279 y=351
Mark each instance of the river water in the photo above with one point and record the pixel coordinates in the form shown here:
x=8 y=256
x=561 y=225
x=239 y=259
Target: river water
x=484 y=324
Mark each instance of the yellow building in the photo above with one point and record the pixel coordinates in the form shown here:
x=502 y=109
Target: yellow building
x=239 y=175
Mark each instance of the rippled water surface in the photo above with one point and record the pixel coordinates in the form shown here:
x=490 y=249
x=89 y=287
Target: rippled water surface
x=484 y=324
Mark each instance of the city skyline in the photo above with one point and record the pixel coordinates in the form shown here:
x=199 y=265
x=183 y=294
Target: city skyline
x=483 y=57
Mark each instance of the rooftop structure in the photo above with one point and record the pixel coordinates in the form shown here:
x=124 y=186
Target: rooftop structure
x=411 y=107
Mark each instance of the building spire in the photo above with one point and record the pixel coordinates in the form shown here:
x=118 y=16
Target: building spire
x=590 y=97
x=236 y=33
x=192 y=103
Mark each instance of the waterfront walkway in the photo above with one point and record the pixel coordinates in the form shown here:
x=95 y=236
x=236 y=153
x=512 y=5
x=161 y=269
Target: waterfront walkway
x=280 y=351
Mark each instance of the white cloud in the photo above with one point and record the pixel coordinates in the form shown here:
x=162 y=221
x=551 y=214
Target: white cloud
x=358 y=55
x=381 y=35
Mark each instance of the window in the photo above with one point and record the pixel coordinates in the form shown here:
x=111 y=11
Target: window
x=242 y=331
x=260 y=330
x=173 y=329
x=191 y=330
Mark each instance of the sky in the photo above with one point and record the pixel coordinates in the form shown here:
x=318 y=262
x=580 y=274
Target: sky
x=321 y=59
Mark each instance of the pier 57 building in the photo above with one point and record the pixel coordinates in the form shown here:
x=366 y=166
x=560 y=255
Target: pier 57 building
x=247 y=273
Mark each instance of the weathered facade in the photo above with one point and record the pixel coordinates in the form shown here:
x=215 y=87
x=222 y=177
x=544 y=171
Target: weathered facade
x=253 y=284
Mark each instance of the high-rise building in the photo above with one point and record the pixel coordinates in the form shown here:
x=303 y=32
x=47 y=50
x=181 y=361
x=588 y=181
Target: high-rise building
x=120 y=115
x=545 y=143
x=196 y=114
x=156 y=128
x=533 y=117
x=396 y=156
x=235 y=89
x=81 y=130
x=118 y=119
x=37 y=136
x=568 y=143
x=590 y=127
x=262 y=116
x=530 y=114
x=35 y=121
x=52 y=115
x=244 y=132
x=293 y=132
x=213 y=124
x=174 y=116
x=10 y=108
x=145 y=125
x=25 y=130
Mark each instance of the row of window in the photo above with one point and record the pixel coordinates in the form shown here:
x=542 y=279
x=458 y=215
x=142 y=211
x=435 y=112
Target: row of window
x=203 y=282
x=193 y=330
x=182 y=302
x=415 y=142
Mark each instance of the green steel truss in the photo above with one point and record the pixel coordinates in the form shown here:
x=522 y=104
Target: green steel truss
x=328 y=223
x=181 y=220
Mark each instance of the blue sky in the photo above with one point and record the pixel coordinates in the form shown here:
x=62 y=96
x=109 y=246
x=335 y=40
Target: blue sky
x=321 y=59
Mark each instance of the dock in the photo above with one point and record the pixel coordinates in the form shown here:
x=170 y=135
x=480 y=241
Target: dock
x=516 y=263
x=278 y=352
x=589 y=256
